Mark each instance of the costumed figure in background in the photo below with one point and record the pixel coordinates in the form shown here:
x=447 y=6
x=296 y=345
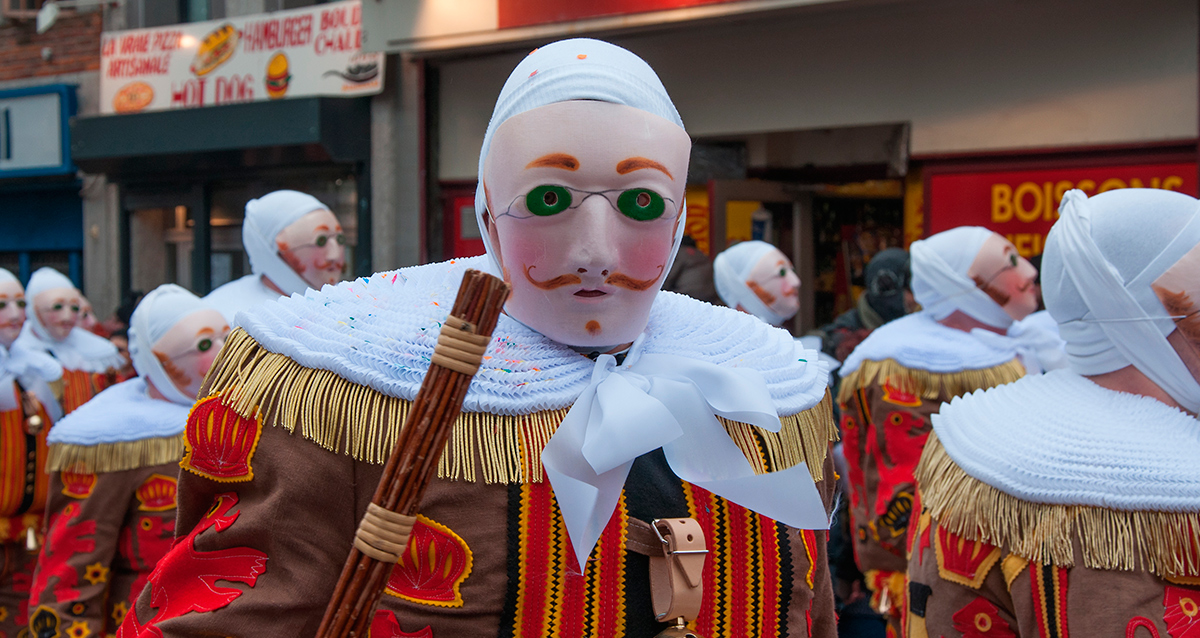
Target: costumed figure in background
x=294 y=243
x=757 y=278
x=972 y=285
x=88 y=320
x=888 y=296
x=27 y=409
x=89 y=362
x=1072 y=499
x=601 y=405
x=113 y=465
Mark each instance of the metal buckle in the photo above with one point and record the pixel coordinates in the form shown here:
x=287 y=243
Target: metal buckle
x=667 y=544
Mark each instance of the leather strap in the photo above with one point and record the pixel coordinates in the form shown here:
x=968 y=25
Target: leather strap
x=676 y=549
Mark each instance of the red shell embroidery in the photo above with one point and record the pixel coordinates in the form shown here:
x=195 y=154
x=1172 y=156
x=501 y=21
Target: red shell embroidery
x=434 y=567
x=219 y=442
x=897 y=396
x=78 y=484
x=962 y=561
x=157 y=494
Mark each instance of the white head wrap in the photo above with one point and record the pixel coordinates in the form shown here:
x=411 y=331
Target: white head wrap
x=31 y=368
x=577 y=69
x=81 y=350
x=154 y=317
x=266 y=217
x=732 y=268
x=1101 y=257
x=940 y=282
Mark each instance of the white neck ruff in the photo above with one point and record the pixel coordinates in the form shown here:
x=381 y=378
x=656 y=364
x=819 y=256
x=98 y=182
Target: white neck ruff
x=81 y=350
x=1060 y=439
x=917 y=341
x=380 y=332
x=120 y=414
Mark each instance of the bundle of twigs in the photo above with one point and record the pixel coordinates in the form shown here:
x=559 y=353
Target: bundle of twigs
x=414 y=459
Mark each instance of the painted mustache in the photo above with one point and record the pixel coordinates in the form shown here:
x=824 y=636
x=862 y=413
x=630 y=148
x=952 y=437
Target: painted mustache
x=620 y=280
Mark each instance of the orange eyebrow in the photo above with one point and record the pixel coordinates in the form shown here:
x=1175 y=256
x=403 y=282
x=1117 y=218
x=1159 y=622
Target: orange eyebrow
x=555 y=160
x=637 y=163
x=321 y=227
x=204 y=331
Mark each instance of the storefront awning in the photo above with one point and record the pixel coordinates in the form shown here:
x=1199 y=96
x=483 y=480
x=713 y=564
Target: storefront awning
x=285 y=132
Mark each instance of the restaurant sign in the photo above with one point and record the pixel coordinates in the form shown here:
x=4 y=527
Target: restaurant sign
x=315 y=51
x=1023 y=205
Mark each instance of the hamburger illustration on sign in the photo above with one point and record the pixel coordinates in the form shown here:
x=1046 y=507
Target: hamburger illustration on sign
x=277 y=76
x=216 y=49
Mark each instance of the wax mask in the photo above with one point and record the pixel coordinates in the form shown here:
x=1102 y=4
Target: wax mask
x=314 y=247
x=87 y=317
x=1179 y=291
x=12 y=311
x=189 y=348
x=58 y=310
x=774 y=281
x=584 y=198
x=1007 y=277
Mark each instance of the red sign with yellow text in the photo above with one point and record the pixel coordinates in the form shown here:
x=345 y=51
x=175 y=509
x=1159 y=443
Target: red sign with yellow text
x=1022 y=205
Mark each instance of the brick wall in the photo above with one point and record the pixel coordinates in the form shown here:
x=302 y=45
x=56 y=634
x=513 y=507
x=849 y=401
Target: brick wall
x=74 y=41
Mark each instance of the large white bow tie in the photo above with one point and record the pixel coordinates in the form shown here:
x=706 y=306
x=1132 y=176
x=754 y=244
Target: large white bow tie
x=668 y=401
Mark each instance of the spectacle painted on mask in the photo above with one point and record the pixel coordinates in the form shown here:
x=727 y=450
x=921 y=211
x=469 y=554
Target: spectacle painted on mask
x=584 y=200
x=775 y=282
x=1179 y=291
x=189 y=348
x=315 y=247
x=58 y=310
x=1007 y=277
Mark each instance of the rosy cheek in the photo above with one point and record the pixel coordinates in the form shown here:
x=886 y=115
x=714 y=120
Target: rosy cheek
x=644 y=250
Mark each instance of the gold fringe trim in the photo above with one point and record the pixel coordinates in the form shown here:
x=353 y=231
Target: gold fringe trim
x=1162 y=543
x=928 y=385
x=348 y=418
x=114 y=457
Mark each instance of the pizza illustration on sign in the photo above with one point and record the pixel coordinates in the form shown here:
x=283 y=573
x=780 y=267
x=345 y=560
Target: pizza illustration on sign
x=133 y=97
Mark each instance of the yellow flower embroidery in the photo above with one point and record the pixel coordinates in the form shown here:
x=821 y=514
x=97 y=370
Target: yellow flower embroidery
x=96 y=574
x=78 y=629
x=118 y=612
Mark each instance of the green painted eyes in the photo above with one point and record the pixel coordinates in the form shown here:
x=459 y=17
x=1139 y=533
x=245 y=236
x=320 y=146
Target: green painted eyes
x=1012 y=259
x=547 y=200
x=20 y=304
x=205 y=345
x=641 y=204
x=322 y=240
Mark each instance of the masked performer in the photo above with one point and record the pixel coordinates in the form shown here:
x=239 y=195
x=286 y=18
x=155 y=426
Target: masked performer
x=1069 y=502
x=113 y=465
x=294 y=243
x=602 y=404
x=89 y=362
x=972 y=285
x=755 y=277
x=27 y=408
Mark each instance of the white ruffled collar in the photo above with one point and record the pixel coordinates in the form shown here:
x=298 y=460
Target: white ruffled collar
x=380 y=332
x=81 y=350
x=34 y=370
x=122 y=413
x=917 y=341
x=1060 y=439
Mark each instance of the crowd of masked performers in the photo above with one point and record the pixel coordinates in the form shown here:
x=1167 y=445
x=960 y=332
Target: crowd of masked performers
x=970 y=451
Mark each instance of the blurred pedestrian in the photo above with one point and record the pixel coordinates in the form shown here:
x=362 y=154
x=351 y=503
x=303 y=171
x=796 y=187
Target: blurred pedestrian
x=888 y=296
x=692 y=273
